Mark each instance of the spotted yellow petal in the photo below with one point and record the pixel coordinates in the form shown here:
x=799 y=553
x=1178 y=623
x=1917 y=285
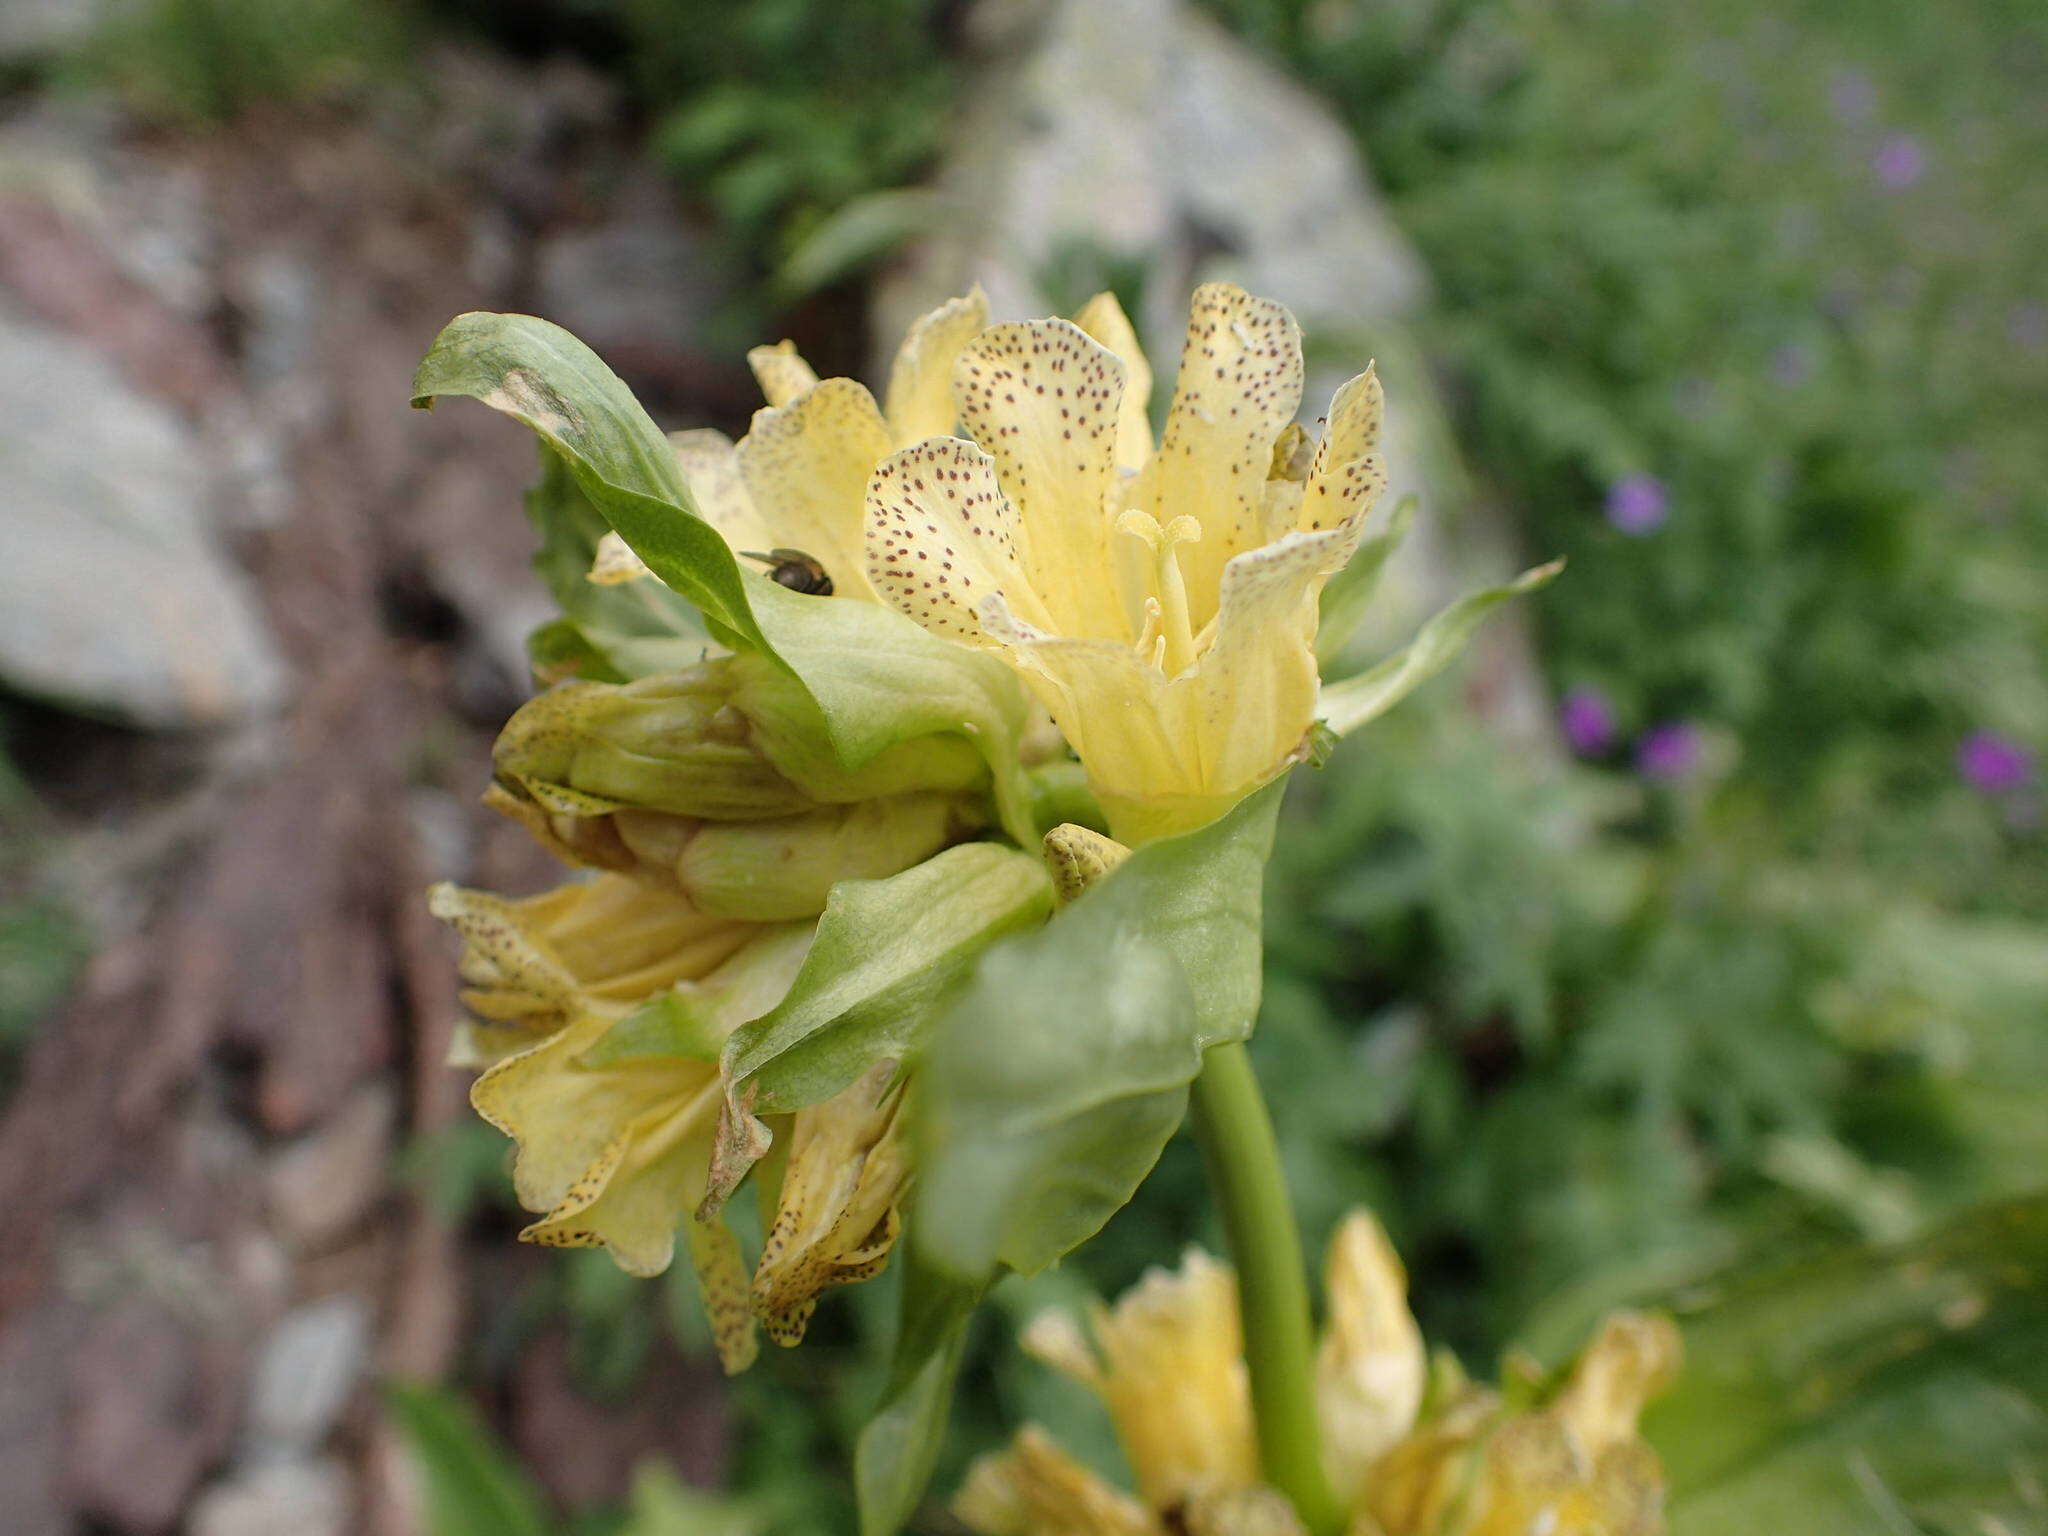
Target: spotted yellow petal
x=781 y=372
x=1104 y=319
x=941 y=538
x=1348 y=474
x=836 y=1217
x=806 y=465
x=1238 y=388
x=1042 y=399
x=919 y=400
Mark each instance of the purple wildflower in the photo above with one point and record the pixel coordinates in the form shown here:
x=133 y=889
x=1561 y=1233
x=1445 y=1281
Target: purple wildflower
x=1899 y=162
x=1669 y=751
x=1587 y=720
x=1637 y=504
x=1994 y=764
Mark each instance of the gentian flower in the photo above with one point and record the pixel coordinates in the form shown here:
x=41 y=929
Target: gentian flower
x=1160 y=602
x=1411 y=1450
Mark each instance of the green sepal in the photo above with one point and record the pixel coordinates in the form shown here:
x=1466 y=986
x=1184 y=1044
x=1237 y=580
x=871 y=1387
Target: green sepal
x=900 y=1445
x=678 y=1023
x=1056 y=1077
x=1347 y=596
x=869 y=677
x=886 y=954
x=1345 y=706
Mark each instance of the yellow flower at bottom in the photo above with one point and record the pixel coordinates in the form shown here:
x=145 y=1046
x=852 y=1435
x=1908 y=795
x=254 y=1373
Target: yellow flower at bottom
x=1167 y=1360
x=1161 y=605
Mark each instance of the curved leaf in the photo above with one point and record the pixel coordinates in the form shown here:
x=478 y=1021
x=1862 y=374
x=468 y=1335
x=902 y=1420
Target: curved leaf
x=1345 y=706
x=886 y=953
x=900 y=1444
x=472 y=1486
x=866 y=677
x=1057 y=1076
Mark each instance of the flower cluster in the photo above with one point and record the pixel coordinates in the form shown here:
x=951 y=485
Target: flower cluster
x=1411 y=1447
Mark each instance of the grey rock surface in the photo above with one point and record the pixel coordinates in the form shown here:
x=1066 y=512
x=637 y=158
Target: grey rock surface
x=304 y=1376
x=302 y=1498
x=113 y=593
x=324 y=1184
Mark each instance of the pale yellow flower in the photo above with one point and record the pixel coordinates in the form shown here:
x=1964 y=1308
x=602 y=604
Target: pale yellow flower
x=1167 y=1361
x=601 y=1010
x=798 y=478
x=1160 y=604
x=587 y=948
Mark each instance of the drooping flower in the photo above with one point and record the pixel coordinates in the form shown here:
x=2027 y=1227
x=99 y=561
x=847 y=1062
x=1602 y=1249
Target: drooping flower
x=1160 y=602
x=1408 y=1456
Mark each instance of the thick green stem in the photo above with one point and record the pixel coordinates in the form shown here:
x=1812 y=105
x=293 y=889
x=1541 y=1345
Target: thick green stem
x=1258 y=1218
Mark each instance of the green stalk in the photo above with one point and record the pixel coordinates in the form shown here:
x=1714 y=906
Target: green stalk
x=1272 y=1283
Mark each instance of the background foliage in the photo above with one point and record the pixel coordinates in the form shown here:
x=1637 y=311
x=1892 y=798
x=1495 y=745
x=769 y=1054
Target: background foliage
x=1578 y=1033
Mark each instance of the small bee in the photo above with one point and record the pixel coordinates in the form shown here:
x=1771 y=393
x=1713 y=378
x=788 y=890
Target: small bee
x=794 y=569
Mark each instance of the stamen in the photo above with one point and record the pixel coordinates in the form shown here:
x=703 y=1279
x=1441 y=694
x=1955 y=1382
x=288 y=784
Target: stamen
x=1167 y=607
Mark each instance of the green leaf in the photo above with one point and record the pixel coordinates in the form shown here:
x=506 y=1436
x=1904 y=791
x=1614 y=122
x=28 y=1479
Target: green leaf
x=608 y=633
x=880 y=680
x=900 y=1445
x=1348 y=595
x=473 y=1488
x=852 y=237
x=863 y=676
x=1059 y=1073
x=1902 y=1389
x=886 y=954
x=1346 y=706
x=539 y=374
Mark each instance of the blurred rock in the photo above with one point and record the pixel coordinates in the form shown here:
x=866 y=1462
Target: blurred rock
x=304 y=1376
x=31 y=29
x=113 y=596
x=638 y=286
x=151 y=1410
x=290 y=1498
x=327 y=1181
